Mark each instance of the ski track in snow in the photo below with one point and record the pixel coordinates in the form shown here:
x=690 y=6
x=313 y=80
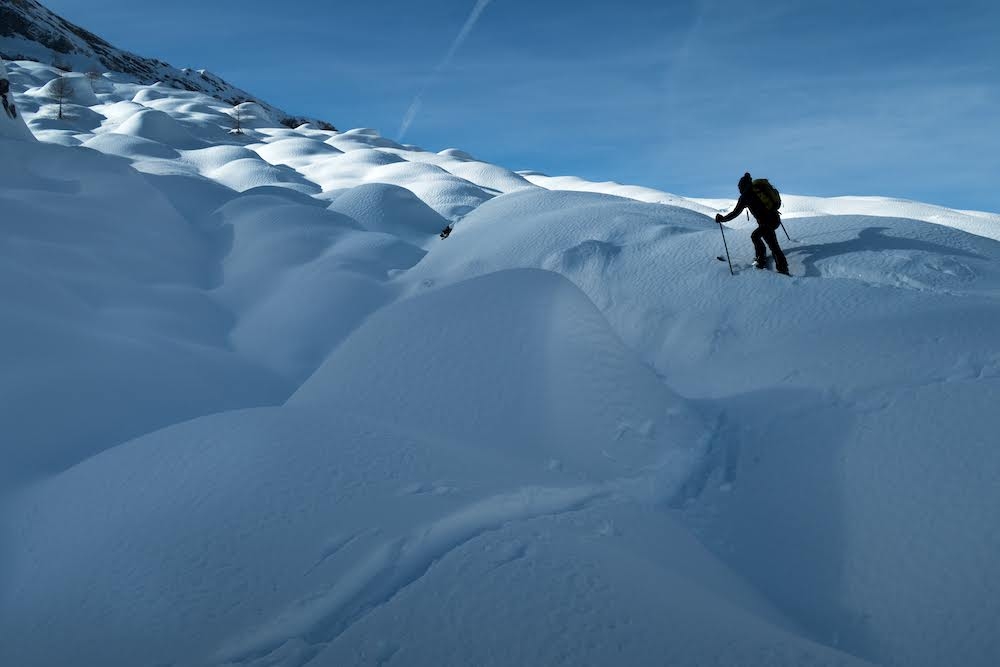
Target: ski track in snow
x=394 y=565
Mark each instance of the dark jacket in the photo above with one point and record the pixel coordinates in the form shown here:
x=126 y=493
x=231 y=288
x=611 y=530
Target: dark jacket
x=765 y=218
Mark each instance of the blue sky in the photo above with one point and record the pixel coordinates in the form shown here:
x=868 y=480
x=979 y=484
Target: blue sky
x=824 y=98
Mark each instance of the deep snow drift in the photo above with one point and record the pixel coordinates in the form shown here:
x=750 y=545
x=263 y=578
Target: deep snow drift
x=255 y=412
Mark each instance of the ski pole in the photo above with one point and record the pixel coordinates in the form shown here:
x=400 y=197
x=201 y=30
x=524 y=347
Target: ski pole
x=726 y=246
x=784 y=230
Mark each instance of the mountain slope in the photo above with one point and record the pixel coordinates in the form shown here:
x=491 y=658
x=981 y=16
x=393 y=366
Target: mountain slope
x=30 y=31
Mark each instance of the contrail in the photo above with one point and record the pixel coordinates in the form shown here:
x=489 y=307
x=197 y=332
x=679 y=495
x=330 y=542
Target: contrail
x=463 y=34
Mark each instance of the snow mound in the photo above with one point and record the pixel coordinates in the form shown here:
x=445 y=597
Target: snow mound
x=149 y=94
x=301 y=278
x=551 y=370
x=212 y=158
x=639 y=193
x=391 y=209
x=160 y=127
x=118 y=112
x=361 y=138
x=455 y=153
x=295 y=152
x=247 y=173
x=447 y=194
x=267 y=235
x=364 y=159
x=105 y=316
x=78 y=90
x=77 y=122
x=451 y=196
x=311 y=309
x=132 y=147
x=253 y=115
x=348 y=169
x=195 y=108
x=489 y=176
x=581 y=235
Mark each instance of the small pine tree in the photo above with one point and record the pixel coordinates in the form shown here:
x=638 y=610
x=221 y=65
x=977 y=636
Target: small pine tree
x=62 y=92
x=237 y=118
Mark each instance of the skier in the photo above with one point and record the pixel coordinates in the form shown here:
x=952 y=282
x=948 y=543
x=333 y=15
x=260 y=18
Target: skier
x=8 y=104
x=753 y=197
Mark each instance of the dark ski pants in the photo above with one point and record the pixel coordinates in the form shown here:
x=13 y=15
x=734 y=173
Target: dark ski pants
x=759 y=237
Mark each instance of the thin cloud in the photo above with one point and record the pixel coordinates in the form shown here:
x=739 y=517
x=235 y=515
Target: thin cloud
x=463 y=34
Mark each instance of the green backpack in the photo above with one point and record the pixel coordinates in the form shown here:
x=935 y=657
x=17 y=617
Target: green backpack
x=767 y=194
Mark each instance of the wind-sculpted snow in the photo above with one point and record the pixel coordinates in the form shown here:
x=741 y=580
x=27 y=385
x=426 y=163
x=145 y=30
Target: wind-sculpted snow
x=556 y=386
x=360 y=138
x=295 y=151
x=301 y=278
x=157 y=126
x=382 y=207
x=284 y=533
x=242 y=175
x=109 y=330
x=649 y=195
x=254 y=411
x=134 y=147
x=76 y=86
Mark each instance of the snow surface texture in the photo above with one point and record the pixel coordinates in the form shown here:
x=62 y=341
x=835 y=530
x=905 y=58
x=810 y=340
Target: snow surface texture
x=255 y=412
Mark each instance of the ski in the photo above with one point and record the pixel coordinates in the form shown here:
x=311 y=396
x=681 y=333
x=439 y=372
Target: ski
x=741 y=266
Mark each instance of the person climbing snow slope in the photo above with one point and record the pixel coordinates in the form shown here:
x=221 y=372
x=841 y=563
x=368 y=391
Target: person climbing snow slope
x=763 y=201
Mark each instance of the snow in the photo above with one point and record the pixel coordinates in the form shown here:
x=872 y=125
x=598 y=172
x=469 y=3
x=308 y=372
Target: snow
x=255 y=412
x=159 y=127
x=76 y=87
x=383 y=207
x=649 y=195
